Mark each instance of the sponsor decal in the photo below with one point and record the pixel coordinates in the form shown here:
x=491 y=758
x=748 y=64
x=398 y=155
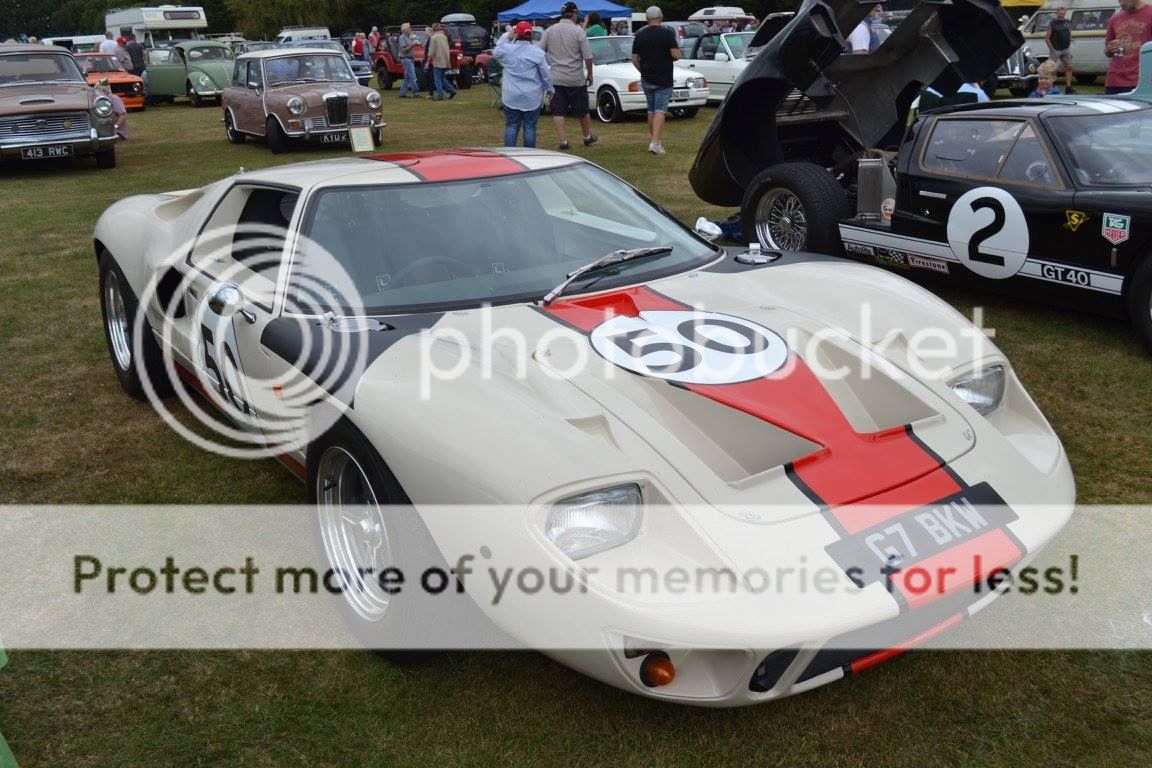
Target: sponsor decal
x=925 y=263
x=988 y=233
x=1115 y=227
x=892 y=258
x=860 y=248
x=1073 y=220
x=887 y=207
x=1068 y=275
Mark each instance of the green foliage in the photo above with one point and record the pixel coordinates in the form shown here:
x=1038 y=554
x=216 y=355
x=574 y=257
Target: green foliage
x=261 y=19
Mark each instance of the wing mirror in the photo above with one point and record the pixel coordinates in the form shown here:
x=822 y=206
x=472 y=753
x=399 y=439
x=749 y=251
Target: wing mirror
x=226 y=299
x=254 y=86
x=721 y=57
x=707 y=230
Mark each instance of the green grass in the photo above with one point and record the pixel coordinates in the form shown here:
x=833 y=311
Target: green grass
x=69 y=435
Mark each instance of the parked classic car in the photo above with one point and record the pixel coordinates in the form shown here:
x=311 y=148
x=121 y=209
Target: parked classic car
x=198 y=69
x=360 y=68
x=389 y=69
x=615 y=88
x=128 y=87
x=632 y=398
x=48 y=110
x=719 y=58
x=298 y=94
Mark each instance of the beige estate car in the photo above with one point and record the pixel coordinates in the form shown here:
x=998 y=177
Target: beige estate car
x=48 y=110
x=307 y=94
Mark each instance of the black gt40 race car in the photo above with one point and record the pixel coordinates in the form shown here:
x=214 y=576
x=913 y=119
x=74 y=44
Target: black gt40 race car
x=1048 y=199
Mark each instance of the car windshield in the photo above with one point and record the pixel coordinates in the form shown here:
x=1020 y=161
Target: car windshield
x=210 y=52
x=610 y=50
x=738 y=42
x=494 y=240
x=307 y=67
x=20 y=68
x=99 y=64
x=1108 y=149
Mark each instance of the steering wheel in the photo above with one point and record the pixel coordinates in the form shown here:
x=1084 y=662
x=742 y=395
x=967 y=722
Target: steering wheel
x=428 y=260
x=1037 y=170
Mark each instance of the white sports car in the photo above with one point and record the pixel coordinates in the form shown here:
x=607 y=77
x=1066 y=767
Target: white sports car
x=719 y=58
x=615 y=88
x=522 y=330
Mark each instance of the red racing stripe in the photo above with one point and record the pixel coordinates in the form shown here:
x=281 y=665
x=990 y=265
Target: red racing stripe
x=872 y=659
x=453 y=164
x=956 y=568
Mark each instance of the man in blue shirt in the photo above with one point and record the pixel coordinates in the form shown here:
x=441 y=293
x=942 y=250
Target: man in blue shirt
x=525 y=80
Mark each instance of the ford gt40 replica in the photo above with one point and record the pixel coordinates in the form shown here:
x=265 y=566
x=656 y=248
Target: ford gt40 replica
x=613 y=389
x=615 y=88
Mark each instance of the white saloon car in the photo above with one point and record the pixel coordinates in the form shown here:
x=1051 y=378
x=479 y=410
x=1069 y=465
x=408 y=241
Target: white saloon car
x=615 y=88
x=613 y=393
x=720 y=58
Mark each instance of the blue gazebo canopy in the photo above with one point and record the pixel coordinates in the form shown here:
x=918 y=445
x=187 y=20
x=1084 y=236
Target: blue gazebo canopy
x=535 y=10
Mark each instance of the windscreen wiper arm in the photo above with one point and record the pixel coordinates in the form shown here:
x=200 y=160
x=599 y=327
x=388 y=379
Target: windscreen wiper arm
x=607 y=260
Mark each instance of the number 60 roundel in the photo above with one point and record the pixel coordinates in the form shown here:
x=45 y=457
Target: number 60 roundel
x=690 y=347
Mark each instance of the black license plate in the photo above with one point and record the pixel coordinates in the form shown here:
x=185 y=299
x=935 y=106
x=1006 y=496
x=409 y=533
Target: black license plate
x=334 y=138
x=42 y=153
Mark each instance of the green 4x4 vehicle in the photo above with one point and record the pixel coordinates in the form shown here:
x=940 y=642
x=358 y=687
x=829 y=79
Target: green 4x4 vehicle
x=198 y=69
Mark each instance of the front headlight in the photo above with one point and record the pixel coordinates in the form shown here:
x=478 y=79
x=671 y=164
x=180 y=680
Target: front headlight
x=205 y=82
x=697 y=82
x=593 y=522
x=372 y=100
x=1027 y=52
x=137 y=87
x=982 y=389
x=102 y=106
x=295 y=105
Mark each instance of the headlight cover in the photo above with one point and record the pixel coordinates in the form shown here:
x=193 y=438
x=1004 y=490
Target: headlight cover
x=697 y=82
x=982 y=389
x=102 y=106
x=372 y=100
x=295 y=105
x=592 y=522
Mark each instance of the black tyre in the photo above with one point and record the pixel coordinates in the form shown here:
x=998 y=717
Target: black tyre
x=1140 y=302
x=106 y=159
x=1084 y=79
x=275 y=137
x=364 y=524
x=193 y=97
x=385 y=78
x=464 y=79
x=685 y=111
x=608 y=107
x=1020 y=91
x=794 y=207
x=234 y=136
x=119 y=308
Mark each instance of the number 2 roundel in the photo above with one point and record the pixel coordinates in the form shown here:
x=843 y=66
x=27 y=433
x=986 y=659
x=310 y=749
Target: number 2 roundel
x=690 y=347
x=988 y=233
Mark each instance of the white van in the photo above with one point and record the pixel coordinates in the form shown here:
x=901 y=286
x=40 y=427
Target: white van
x=291 y=34
x=1089 y=20
x=158 y=26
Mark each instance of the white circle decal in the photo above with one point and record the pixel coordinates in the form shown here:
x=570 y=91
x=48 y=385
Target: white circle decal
x=988 y=233
x=690 y=347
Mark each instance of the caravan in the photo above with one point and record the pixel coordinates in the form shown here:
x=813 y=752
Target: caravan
x=160 y=26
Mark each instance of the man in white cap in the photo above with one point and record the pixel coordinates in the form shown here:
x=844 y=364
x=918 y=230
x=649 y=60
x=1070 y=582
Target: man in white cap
x=654 y=49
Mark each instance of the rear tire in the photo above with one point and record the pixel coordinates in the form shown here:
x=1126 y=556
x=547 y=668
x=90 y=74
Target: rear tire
x=119 y=308
x=1140 y=302
x=685 y=111
x=275 y=137
x=794 y=207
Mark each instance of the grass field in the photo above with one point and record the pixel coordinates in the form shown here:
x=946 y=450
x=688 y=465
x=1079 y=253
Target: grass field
x=70 y=436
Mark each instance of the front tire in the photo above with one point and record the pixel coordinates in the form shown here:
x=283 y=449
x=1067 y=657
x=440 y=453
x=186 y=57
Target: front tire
x=1140 y=302
x=385 y=77
x=275 y=137
x=608 y=107
x=685 y=111
x=193 y=97
x=234 y=136
x=119 y=308
x=794 y=207
x=1020 y=91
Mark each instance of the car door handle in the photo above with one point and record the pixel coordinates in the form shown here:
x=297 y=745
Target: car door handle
x=937 y=195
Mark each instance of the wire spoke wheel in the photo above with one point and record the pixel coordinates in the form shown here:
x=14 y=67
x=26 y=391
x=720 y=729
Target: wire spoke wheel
x=116 y=322
x=781 y=221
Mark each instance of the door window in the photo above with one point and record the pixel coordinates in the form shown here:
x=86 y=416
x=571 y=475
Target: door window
x=1028 y=162
x=972 y=148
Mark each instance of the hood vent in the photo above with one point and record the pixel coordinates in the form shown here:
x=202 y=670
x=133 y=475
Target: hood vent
x=37 y=100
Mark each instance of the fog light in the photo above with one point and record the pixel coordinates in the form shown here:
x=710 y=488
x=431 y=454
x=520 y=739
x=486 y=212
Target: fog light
x=657 y=670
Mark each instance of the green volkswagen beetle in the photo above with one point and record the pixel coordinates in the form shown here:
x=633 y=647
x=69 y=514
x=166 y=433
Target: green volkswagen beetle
x=198 y=69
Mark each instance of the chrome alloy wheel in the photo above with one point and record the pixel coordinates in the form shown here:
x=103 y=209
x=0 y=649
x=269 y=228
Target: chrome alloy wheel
x=354 y=533
x=116 y=322
x=781 y=223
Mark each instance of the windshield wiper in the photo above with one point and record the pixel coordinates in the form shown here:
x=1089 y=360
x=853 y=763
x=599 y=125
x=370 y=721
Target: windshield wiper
x=607 y=260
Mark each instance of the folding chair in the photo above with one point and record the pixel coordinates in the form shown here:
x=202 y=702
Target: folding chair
x=495 y=77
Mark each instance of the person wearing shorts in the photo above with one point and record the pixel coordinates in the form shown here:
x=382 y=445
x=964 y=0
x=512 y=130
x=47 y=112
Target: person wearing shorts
x=570 y=62
x=654 y=49
x=1059 y=40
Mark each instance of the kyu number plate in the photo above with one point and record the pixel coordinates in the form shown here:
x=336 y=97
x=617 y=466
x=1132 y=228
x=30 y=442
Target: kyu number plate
x=680 y=93
x=40 y=153
x=334 y=138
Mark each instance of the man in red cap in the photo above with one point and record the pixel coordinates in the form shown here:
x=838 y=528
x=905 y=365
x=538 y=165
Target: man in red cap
x=525 y=80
